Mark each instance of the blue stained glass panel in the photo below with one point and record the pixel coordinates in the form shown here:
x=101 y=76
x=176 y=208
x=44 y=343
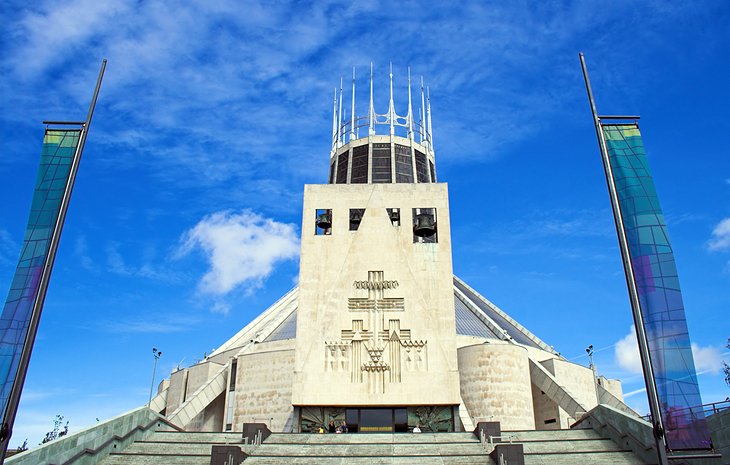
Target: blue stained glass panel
x=655 y=275
x=57 y=155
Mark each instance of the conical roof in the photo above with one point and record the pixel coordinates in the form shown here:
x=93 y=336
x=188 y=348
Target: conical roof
x=475 y=316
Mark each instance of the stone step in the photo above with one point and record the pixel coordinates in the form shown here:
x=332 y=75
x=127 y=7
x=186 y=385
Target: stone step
x=370 y=438
x=184 y=436
x=426 y=460
x=575 y=445
x=550 y=435
x=156 y=459
x=373 y=450
x=181 y=448
x=584 y=458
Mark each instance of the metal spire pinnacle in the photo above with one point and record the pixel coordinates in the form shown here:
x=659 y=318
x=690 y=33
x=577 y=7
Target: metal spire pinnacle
x=371 y=111
x=339 y=121
x=422 y=124
x=352 y=116
x=410 y=107
x=391 y=105
x=334 y=120
x=428 y=110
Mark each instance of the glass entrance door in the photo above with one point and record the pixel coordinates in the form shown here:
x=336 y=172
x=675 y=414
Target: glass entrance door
x=376 y=420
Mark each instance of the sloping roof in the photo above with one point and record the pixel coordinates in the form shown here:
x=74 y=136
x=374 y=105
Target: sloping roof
x=475 y=316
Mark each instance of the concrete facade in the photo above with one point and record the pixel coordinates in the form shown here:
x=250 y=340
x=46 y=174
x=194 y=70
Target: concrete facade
x=394 y=346
x=264 y=387
x=495 y=384
x=379 y=320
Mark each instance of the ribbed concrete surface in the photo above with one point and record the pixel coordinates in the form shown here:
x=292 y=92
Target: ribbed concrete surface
x=561 y=447
x=570 y=447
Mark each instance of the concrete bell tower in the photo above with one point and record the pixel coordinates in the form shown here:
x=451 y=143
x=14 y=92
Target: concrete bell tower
x=376 y=334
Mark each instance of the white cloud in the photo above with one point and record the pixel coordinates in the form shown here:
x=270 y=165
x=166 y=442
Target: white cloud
x=720 y=236
x=241 y=249
x=627 y=352
x=707 y=359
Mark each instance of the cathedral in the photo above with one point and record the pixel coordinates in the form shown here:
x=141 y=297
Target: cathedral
x=380 y=334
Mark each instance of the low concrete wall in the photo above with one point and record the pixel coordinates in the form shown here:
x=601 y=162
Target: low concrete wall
x=719 y=425
x=625 y=430
x=102 y=438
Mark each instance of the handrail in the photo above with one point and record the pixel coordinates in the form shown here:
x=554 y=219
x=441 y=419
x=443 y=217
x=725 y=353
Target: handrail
x=92 y=452
x=724 y=405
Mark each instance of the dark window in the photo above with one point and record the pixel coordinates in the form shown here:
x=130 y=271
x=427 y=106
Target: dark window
x=394 y=215
x=359 y=173
x=400 y=418
x=433 y=171
x=424 y=225
x=376 y=420
x=232 y=383
x=421 y=167
x=552 y=420
x=323 y=222
x=403 y=164
x=332 y=172
x=342 y=168
x=381 y=163
x=356 y=215
x=352 y=418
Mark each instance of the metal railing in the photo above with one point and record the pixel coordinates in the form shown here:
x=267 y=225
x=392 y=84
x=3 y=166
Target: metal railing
x=706 y=409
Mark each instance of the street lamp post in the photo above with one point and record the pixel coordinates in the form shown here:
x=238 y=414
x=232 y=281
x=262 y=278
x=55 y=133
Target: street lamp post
x=157 y=354
x=589 y=351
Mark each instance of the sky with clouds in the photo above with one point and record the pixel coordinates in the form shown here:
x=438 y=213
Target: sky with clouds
x=186 y=215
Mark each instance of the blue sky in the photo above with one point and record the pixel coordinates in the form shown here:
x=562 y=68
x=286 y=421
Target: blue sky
x=185 y=219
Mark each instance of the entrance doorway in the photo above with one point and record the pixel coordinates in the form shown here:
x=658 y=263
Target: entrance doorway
x=437 y=419
x=377 y=420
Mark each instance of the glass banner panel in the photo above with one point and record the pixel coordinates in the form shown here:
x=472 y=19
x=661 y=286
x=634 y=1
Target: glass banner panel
x=58 y=151
x=657 y=283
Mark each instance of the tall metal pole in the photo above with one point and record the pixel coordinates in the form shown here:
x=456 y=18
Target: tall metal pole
x=157 y=354
x=14 y=399
x=646 y=365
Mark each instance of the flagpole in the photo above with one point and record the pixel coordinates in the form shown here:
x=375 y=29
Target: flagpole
x=647 y=368
x=6 y=430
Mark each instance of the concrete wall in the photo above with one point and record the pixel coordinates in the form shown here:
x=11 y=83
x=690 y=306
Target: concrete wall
x=613 y=386
x=264 y=389
x=578 y=380
x=719 y=425
x=209 y=419
x=547 y=412
x=94 y=438
x=495 y=385
x=176 y=391
x=199 y=374
x=347 y=364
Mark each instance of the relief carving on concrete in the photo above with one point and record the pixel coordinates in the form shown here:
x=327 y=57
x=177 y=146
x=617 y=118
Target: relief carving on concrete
x=379 y=350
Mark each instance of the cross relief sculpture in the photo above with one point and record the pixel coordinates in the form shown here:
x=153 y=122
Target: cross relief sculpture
x=375 y=345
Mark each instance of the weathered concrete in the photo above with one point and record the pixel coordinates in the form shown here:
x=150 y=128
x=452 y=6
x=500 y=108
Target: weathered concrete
x=263 y=389
x=102 y=438
x=350 y=350
x=719 y=425
x=495 y=384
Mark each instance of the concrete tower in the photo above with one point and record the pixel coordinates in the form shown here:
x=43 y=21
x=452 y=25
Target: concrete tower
x=376 y=328
x=379 y=332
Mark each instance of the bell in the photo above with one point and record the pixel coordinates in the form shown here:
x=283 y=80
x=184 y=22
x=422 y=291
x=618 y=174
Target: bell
x=394 y=215
x=324 y=220
x=355 y=217
x=425 y=225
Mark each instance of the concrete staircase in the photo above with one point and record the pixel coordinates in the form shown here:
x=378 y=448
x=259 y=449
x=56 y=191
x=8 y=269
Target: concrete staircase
x=570 y=447
x=561 y=447
x=370 y=449
x=173 y=448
